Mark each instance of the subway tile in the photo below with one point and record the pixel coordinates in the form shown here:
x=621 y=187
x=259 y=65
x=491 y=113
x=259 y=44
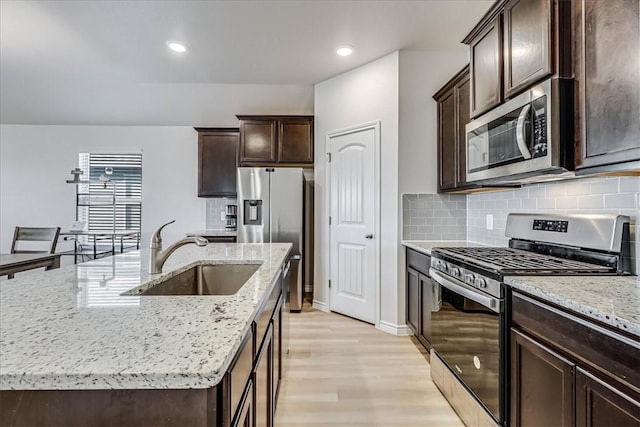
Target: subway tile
x=418 y=221
x=621 y=201
x=578 y=187
x=546 y=203
x=410 y=197
x=556 y=189
x=591 y=202
x=529 y=204
x=630 y=184
x=514 y=204
x=606 y=186
x=537 y=191
x=567 y=202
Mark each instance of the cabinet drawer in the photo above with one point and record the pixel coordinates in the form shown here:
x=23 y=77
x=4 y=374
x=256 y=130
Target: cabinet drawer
x=594 y=345
x=266 y=313
x=418 y=261
x=240 y=373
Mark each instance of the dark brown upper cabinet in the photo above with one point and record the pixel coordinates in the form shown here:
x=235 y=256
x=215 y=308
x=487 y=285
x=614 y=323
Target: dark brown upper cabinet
x=276 y=140
x=486 y=68
x=453 y=116
x=217 y=161
x=527 y=48
x=607 y=72
x=516 y=44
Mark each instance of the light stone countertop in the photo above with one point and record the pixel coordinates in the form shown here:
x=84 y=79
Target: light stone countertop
x=613 y=300
x=70 y=328
x=425 y=246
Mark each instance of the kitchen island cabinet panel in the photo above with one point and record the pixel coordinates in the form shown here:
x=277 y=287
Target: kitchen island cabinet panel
x=263 y=383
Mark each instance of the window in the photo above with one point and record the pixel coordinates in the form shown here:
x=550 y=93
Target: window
x=112 y=199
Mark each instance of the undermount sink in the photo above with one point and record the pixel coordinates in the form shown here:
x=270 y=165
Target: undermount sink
x=221 y=279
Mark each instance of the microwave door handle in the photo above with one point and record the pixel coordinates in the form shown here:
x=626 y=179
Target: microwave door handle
x=520 y=132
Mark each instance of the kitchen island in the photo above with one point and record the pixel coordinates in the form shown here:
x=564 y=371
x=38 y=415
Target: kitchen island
x=71 y=330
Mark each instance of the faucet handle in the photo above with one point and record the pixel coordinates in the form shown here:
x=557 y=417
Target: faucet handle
x=156 y=239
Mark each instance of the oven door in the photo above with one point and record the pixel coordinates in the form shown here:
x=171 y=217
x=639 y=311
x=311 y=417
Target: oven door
x=466 y=331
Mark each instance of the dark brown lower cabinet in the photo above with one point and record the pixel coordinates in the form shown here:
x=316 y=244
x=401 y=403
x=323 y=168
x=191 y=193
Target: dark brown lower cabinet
x=569 y=371
x=262 y=376
x=599 y=405
x=244 y=417
x=277 y=351
x=541 y=384
x=413 y=299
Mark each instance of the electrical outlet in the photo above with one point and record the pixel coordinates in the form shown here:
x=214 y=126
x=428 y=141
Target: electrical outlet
x=489 y=222
x=223 y=216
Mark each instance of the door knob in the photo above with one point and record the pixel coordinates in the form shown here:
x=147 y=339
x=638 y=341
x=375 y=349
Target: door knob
x=368 y=236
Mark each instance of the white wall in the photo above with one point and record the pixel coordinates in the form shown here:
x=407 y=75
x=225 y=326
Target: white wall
x=363 y=95
x=422 y=73
x=35 y=162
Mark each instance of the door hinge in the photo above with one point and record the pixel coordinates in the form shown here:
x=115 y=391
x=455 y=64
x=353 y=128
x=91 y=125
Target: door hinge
x=329 y=220
x=329 y=284
x=329 y=157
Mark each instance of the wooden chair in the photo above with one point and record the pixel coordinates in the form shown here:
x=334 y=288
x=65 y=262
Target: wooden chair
x=35 y=239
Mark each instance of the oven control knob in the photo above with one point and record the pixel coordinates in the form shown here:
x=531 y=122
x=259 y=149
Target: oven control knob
x=455 y=271
x=482 y=283
x=470 y=278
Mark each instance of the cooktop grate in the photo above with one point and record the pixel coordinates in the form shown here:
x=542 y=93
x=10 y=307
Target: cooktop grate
x=508 y=260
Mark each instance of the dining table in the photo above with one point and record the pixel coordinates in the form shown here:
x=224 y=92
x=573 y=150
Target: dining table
x=15 y=263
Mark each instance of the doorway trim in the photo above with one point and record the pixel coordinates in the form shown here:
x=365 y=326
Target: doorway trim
x=375 y=125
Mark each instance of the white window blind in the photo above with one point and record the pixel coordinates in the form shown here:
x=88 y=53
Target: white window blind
x=114 y=205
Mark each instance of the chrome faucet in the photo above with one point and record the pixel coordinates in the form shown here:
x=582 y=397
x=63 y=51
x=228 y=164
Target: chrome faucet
x=158 y=257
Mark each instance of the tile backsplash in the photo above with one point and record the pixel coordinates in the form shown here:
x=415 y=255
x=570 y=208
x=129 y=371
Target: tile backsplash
x=619 y=195
x=215 y=208
x=434 y=217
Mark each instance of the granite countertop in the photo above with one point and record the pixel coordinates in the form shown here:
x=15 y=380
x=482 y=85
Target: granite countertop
x=613 y=300
x=70 y=328
x=214 y=232
x=425 y=246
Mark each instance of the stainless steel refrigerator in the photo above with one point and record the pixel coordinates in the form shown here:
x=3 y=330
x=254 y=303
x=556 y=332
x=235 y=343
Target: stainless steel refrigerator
x=271 y=209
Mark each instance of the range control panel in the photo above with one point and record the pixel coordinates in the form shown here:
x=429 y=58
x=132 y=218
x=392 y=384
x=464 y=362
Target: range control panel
x=548 y=225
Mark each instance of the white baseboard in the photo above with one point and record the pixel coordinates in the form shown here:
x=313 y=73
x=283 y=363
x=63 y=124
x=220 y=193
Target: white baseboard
x=319 y=305
x=398 y=330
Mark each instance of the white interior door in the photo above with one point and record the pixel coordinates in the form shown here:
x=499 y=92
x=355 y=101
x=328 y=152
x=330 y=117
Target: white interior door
x=353 y=223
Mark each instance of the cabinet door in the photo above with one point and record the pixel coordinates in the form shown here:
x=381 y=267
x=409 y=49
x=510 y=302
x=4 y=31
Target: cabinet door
x=257 y=141
x=463 y=117
x=263 y=383
x=413 y=299
x=599 y=404
x=217 y=162
x=486 y=68
x=527 y=50
x=447 y=142
x=426 y=305
x=295 y=141
x=245 y=414
x=541 y=384
x=607 y=67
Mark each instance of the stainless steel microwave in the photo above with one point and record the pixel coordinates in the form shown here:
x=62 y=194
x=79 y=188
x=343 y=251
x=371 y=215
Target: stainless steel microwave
x=527 y=136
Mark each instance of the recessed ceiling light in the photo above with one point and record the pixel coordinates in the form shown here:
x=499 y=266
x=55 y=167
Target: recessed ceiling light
x=344 y=50
x=176 y=46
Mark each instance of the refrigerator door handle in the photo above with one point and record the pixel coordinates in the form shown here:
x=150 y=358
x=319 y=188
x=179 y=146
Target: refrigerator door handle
x=295 y=257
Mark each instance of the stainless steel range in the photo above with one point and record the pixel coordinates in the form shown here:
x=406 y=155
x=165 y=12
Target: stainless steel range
x=469 y=328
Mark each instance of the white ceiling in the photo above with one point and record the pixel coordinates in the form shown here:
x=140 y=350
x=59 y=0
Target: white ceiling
x=89 y=62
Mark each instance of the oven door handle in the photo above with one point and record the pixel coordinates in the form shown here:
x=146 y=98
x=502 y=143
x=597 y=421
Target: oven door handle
x=520 y=136
x=466 y=291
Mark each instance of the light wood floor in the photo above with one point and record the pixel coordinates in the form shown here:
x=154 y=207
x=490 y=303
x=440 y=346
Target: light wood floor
x=343 y=372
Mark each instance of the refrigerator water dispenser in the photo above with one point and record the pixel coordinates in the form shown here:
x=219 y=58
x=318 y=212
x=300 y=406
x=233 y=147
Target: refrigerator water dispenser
x=253 y=212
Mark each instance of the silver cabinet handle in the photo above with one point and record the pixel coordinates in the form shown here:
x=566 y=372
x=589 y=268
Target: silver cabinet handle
x=368 y=236
x=522 y=144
